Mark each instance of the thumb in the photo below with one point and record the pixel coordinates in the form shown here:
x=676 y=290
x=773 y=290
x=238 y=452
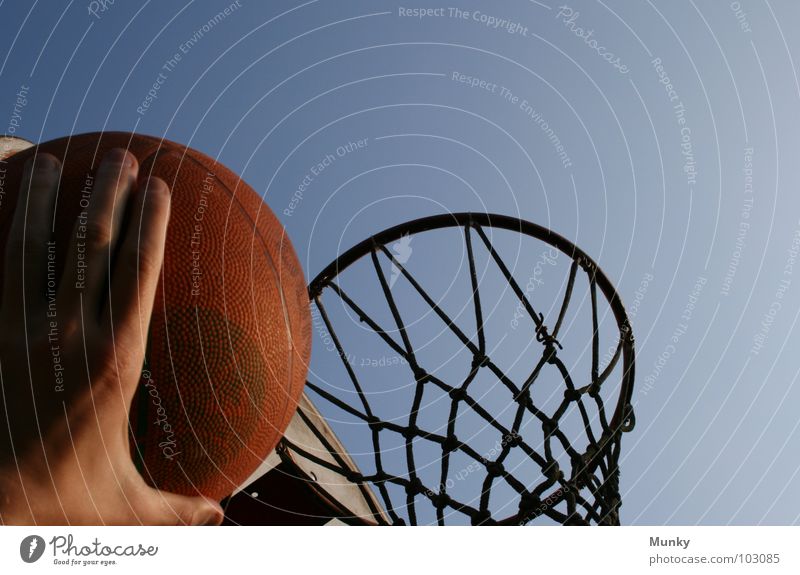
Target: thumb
x=174 y=509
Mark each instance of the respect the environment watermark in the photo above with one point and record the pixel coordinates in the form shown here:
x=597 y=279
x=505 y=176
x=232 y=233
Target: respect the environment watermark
x=523 y=104
x=171 y=63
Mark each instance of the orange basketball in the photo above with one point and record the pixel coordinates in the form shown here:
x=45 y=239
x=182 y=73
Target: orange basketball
x=230 y=336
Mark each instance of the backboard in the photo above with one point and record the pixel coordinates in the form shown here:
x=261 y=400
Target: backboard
x=289 y=488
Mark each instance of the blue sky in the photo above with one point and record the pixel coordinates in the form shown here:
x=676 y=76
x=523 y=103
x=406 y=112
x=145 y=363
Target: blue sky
x=664 y=143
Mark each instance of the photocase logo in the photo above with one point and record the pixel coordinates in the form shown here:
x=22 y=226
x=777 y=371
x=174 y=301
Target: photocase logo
x=31 y=548
x=402 y=252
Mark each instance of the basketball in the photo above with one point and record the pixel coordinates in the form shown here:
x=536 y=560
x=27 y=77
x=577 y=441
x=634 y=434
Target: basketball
x=230 y=336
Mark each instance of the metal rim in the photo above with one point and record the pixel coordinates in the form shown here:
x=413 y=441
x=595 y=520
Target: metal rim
x=623 y=418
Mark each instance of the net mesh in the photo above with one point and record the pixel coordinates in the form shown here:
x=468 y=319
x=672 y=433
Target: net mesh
x=577 y=479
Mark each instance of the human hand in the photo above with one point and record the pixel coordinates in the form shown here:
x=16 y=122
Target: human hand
x=71 y=359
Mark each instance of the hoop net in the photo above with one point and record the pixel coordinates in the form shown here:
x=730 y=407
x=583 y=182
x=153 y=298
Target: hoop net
x=556 y=450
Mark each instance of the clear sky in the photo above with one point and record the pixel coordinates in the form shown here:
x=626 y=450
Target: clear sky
x=660 y=136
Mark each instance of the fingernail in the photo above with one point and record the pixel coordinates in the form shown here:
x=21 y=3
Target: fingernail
x=43 y=163
x=119 y=156
x=160 y=188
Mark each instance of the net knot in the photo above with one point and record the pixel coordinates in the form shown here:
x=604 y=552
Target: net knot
x=552 y=471
x=550 y=352
x=440 y=500
x=495 y=468
x=528 y=502
x=480 y=360
x=458 y=394
x=421 y=376
x=512 y=439
x=482 y=517
x=353 y=476
x=414 y=487
x=542 y=336
x=524 y=399
x=451 y=443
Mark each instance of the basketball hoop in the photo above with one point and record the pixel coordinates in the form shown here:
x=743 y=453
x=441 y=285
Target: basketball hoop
x=578 y=487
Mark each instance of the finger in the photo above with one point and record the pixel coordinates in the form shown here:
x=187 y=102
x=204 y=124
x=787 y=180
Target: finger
x=29 y=237
x=96 y=237
x=174 y=509
x=136 y=271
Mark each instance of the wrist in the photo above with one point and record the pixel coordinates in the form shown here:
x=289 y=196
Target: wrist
x=25 y=501
x=13 y=509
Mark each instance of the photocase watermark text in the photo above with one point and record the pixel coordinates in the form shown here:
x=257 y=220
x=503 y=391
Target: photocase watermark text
x=169 y=444
x=569 y=18
x=98 y=7
x=546 y=258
